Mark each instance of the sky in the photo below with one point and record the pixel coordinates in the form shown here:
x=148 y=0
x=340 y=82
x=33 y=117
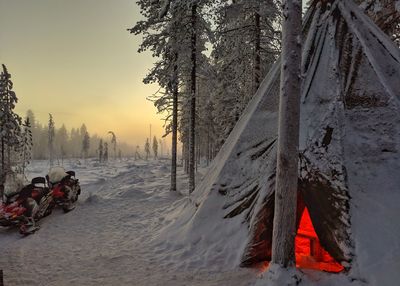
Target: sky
x=76 y=60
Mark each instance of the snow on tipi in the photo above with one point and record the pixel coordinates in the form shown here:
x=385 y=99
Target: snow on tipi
x=349 y=182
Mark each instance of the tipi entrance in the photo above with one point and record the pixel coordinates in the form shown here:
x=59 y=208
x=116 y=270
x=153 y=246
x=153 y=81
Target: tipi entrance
x=309 y=252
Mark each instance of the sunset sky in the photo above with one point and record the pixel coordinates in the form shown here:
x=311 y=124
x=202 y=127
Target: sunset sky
x=76 y=60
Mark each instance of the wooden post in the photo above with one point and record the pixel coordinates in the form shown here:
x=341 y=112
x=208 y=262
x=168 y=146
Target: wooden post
x=284 y=230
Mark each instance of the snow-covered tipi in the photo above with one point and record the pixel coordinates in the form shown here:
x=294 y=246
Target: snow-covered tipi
x=349 y=183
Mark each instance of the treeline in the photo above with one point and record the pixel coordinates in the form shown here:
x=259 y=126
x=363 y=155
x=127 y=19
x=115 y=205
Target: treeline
x=58 y=144
x=24 y=139
x=212 y=57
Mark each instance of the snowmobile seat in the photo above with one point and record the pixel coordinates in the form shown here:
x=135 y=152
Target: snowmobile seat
x=39 y=182
x=71 y=173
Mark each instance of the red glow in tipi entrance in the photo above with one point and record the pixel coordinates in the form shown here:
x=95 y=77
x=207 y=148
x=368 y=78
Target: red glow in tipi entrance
x=309 y=252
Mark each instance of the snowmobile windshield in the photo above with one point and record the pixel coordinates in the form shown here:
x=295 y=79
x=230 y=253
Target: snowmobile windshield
x=12 y=185
x=56 y=174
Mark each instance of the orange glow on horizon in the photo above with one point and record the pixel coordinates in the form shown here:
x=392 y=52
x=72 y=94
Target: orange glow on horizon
x=76 y=60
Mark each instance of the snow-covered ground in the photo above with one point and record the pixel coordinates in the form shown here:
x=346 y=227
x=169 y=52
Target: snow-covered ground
x=113 y=236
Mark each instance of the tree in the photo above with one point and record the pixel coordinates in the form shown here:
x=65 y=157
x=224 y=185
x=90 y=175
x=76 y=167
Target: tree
x=10 y=122
x=39 y=149
x=246 y=44
x=160 y=29
x=85 y=145
x=147 y=149
x=105 y=154
x=50 y=139
x=114 y=142
x=192 y=125
x=26 y=148
x=61 y=142
x=284 y=231
x=168 y=33
x=137 y=153
x=100 y=150
x=155 y=147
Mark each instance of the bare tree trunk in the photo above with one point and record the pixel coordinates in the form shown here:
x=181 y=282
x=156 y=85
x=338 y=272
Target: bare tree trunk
x=3 y=160
x=208 y=147
x=257 y=51
x=192 y=125
x=284 y=232
x=174 y=122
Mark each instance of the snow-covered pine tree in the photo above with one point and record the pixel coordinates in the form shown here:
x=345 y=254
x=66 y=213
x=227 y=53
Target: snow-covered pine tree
x=10 y=122
x=161 y=147
x=114 y=142
x=50 y=139
x=167 y=33
x=155 y=147
x=147 y=149
x=61 y=142
x=105 y=153
x=137 y=153
x=37 y=148
x=284 y=230
x=160 y=29
x=26 y=145
x=100 y=150
x=246 y=44
x=86 y=145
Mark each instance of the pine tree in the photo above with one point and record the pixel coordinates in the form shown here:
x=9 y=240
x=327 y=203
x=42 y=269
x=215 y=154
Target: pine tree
x=100 y=150
x=50 y=139
x=160 y=29
x=155 y=147
x=246 y=44
x=26 y=148
x=10 y=122
x=85 y=145
x=105 y=154
x=168 y=33
x=114 y=142
x=147 y=149
x=61 y=142
x=137 y=153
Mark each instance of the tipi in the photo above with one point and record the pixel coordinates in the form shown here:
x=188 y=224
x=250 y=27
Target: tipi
x=349 y=183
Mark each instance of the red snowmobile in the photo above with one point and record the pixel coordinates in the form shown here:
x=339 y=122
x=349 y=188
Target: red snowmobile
x=65 y=187
x=26 y=206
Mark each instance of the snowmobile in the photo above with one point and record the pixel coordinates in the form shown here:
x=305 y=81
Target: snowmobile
x=26 y=206
x=65 y=187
